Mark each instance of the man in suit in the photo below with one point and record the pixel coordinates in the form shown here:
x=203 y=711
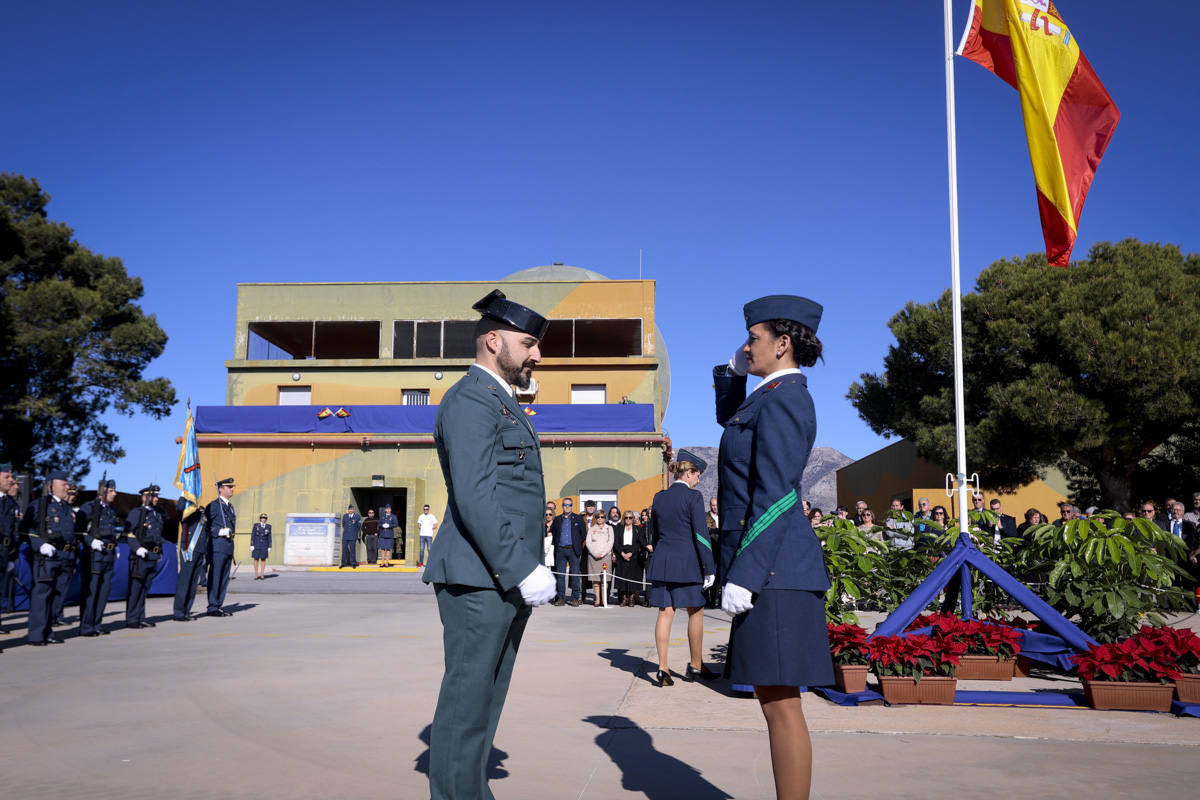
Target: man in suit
x=1006 y=528
x=50 y=523
x=568 y=532
x=220 y=524
x=485 y=564
x=99 y=521
x=145 y=526
x=351 y=527
x=192 y=552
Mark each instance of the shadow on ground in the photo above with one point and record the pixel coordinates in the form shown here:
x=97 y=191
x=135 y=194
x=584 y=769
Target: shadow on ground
x=643 y=769
x=495 y=767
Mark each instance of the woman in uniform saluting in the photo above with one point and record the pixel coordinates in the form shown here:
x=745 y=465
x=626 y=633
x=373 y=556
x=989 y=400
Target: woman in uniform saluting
x=774 y=571
x=682 y=565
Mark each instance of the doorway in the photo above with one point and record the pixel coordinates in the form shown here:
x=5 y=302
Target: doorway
x=377 y=497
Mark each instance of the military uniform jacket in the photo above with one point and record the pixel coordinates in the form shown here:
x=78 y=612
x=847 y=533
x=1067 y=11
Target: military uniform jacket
x=387 y=528
x=260 y=535
x=219 y=514
x=8 y=527
x=683 y=553
x=766 y=540
x=60 y=524
x=492 y=463
x=145 y=525
x=351 y=525
x=106 y=529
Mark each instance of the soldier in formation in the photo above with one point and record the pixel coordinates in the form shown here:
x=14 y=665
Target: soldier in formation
x=145 y=525
x=101 y=532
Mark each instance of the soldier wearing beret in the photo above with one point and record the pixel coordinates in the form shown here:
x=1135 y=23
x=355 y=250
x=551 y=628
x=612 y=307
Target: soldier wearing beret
x=99 y=521
x=8 y=533
x=145 y=526
x=220 y=524
x=50 y=523
x=485 y=564
x=772 y=564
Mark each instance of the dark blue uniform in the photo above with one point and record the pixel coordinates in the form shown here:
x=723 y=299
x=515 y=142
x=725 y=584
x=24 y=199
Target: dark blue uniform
x=387 y=531
x=351 y=527
x=9 y=544
x=103 y=531
x=145 y=525
x=193 y=550
x=767 y=543
x=66 y=574
x=260 y=541
x=682 y=554
x=219 y=515
x=59 y=533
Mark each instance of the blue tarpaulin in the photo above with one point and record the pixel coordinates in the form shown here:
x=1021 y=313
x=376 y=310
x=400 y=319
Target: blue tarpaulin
x=546 y=418
x=163 y=584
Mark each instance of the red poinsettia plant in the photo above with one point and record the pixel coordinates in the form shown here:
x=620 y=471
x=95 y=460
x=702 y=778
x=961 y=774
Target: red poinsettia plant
x=915 y=655
x=1141 y=658
x=848 y=644
x=929 y=620
x=983 y=638
x=1182 y=644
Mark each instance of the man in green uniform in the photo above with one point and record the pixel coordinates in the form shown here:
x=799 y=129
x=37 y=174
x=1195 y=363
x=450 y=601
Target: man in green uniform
x=485 y=564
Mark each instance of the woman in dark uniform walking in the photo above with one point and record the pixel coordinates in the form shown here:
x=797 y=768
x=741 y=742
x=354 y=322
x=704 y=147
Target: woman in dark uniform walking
x=772 y=565
x=682 y=565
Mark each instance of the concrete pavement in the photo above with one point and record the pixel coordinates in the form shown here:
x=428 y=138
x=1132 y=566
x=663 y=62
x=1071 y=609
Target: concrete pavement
x=329 y=693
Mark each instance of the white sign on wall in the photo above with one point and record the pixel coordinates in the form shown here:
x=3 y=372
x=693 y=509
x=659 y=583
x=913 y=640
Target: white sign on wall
x=311 y=539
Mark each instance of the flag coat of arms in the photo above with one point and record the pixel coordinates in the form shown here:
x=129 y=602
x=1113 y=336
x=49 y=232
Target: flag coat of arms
x=1069 y=116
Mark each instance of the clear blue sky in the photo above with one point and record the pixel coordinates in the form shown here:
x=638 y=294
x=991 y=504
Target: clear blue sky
x=746 y=148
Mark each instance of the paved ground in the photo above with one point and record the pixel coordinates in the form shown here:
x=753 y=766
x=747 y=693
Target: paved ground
x=323 y=685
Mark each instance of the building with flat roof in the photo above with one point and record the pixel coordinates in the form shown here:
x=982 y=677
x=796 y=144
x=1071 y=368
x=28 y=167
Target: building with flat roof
x=333 y=389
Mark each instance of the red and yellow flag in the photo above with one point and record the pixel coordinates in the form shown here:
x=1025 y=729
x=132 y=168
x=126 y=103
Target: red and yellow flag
x=1069 y=117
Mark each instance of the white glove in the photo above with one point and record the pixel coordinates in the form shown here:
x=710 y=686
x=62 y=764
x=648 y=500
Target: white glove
x=141 y=552
x=538 y=587
x=709 y=580
x=736 y=600
x=97 y=545
x=46 y=549
x=386 y=525
x=738 y=364
x=224 y=532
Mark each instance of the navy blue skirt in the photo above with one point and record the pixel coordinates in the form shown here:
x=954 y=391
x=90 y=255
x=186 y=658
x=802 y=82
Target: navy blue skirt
x=782 y=641
x=387 y=544
x=259 y=553
x=665 y=594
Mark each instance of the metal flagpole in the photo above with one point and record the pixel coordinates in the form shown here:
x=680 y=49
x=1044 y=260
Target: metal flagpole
x=955 y=282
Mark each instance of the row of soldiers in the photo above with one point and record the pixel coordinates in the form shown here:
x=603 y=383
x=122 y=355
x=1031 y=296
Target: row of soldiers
x=61 y=539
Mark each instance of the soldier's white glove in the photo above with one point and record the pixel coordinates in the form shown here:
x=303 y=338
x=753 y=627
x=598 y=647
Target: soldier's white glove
x=46 y=549
x=538 y=587
x=737 y=363
x=141 y=552
x=97 y=545
x=709 y=580
x=224 y=532
x=386 y=525
x=736 y=600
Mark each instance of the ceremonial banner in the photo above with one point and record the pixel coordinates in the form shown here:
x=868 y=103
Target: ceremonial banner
x=1069 y=116
x=187 y=473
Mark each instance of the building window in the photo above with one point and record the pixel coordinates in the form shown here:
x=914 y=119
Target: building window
x=295 y=395
x=273 y=341
x=608 y=337
x=416 y=397
x=565 y=338
x=603 y=499
x=583 y=394
x=449 y=338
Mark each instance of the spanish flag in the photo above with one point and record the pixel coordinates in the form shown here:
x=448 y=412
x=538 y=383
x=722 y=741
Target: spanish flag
x=1069 y=117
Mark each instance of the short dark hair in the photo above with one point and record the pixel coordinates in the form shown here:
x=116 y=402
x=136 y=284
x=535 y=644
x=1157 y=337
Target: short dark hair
x=805 y=344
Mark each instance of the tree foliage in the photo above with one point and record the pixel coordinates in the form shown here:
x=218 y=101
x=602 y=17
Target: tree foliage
x=1096 y=363
x=73 y=340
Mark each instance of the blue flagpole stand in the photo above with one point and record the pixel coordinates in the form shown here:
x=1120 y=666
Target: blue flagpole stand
x=964 y=556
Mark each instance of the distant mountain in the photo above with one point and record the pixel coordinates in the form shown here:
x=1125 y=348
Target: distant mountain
x=820 y=476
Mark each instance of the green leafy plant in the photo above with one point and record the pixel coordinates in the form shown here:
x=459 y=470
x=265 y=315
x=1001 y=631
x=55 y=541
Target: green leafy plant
x=855 y=566
x=1112 y=573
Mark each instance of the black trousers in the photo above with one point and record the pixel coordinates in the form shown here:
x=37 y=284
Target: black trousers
x=96 y=596
x=190 y=573
x=349 y=559
x=63 y=584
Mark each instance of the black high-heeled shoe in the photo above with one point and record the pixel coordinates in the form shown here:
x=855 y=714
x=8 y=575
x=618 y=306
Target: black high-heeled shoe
x=664 y=678
x=704 y=673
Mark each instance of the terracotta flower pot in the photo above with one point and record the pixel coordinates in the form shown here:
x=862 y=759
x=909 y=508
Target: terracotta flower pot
x=1187 y=688
x=929 y=691
x=1022 y=667
x=850 y=678
x=1128 y=696
x=984 y=668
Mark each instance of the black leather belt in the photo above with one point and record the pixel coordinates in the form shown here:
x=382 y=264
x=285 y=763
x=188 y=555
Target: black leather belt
x=108 y=545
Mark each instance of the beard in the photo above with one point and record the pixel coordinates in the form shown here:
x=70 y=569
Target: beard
x=513 y=371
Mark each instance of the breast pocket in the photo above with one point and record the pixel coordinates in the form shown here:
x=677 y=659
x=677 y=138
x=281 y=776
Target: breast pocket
x=515 y=448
